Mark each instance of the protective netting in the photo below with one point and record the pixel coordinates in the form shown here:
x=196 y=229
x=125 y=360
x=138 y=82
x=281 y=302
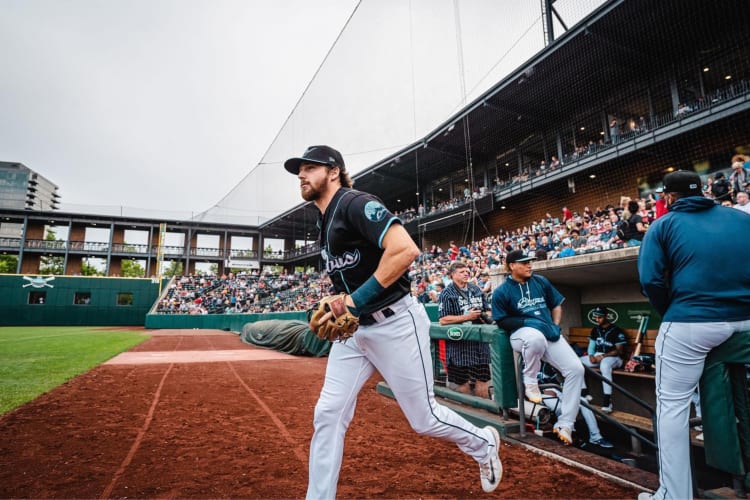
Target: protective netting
x=397 y=70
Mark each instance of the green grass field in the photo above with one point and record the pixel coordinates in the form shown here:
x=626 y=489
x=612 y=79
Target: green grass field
x=34 y=360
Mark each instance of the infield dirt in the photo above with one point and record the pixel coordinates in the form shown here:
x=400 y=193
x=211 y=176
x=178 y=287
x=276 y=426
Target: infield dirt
x=237 y=425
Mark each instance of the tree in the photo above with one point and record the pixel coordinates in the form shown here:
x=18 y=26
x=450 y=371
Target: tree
x=174 y=269
x=89 y=270
x=8 y=264
x=51 y=265
x=132 y=269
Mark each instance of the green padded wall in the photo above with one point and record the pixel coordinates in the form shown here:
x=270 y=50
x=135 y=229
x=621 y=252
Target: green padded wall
x=59 y=293
x=503 y=368
x=233 y=322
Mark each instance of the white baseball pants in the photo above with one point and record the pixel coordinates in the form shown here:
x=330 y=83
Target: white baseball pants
x=681 y=350
x=534 y=348
x=606 y=366
x=399 y=348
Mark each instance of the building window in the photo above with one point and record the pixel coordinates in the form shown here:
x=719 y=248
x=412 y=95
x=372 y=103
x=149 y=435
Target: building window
x=82 y=298
x=37 y=297
x=125 y=299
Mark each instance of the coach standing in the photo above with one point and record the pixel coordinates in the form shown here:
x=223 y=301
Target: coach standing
x=701 y=288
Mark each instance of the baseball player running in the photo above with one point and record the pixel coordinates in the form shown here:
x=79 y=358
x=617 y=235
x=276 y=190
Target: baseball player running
x=367 y=253
x=701 y=288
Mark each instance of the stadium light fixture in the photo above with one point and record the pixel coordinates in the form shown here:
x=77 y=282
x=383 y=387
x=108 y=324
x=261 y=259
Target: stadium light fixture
x=728 y=77
x=502 y=207
x=706 y=69
x=592 y=176
x=583 y=128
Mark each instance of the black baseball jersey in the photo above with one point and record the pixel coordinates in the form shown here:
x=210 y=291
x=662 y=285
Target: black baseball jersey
x=605 y=339
x=351 y=234
x=456 y=302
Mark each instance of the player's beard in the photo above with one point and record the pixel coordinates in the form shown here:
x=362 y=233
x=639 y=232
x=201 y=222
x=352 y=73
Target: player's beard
x=310 y=192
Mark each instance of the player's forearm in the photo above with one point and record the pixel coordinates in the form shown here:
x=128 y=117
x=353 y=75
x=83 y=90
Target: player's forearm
x=399 y=253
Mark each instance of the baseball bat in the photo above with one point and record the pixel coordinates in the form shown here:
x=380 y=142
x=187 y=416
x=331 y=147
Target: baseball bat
x=633 y=362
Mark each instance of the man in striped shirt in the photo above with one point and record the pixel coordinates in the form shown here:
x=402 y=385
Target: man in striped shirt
x=464 y=303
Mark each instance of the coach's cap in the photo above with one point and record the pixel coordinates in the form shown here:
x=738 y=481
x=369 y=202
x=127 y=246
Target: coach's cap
x=321 y=155
x=600 y=311
x=683 y=182
x=518 y=256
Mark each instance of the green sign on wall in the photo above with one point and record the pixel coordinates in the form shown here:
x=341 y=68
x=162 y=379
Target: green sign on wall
x=625 y=314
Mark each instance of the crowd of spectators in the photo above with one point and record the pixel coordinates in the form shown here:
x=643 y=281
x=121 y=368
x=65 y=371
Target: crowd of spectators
x=251 y=292
x=551 y=237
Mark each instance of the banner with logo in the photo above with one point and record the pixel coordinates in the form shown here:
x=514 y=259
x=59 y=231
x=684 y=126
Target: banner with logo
x=625 y=314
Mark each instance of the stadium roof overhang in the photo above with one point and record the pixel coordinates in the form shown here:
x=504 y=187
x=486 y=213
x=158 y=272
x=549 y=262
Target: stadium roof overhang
x=550 y=84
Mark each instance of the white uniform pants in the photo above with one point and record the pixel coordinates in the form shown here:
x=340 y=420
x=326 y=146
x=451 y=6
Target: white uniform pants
x=681 y=350
x=553 y=403
x=606 y=366
x=534 y=348
x=399 y=348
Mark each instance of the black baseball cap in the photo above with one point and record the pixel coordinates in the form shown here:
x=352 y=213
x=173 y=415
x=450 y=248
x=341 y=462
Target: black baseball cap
x=600 y=311
x=683 y=182
x=321 y=155
x=518 y=256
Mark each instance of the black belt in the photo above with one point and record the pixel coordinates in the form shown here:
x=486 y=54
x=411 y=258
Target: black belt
x=368 y=319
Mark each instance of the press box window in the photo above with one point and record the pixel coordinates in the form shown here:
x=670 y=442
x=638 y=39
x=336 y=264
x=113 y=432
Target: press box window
x=82 y=298
x=125 y=299
x=37 y=297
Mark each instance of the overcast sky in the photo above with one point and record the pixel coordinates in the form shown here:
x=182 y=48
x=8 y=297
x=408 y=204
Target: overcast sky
x=160 y=104
x=166 y=105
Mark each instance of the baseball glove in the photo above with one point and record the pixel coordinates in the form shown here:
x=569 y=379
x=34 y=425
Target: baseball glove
x=341 y=323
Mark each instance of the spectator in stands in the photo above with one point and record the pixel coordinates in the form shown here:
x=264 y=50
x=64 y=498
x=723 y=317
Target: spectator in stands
x=465 y=303
x=552 y=397
x=484 y=283
x=529 y=308
x=605 y=351
x=607 y=235
x=566 y=214
x=614 y=131
x=743 y=202
x=660 y=204
x=739 y=180
x=554 y=163
x=720 y=188
x=452 y=250
x=567 y=250
x=576 y=241
x=544 y=244
x=634 y=230
x=701 y=305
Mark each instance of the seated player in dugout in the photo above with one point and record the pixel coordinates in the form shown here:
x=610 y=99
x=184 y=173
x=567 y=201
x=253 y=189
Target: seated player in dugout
x=606 y=349
x=465 y=303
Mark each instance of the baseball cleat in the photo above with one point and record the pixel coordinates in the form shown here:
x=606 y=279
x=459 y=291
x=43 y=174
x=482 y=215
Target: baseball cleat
x=603 y=443
x=491 y=472
x=533 y=394
x=644 y=495
x=565 y=435
x=607 y=409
